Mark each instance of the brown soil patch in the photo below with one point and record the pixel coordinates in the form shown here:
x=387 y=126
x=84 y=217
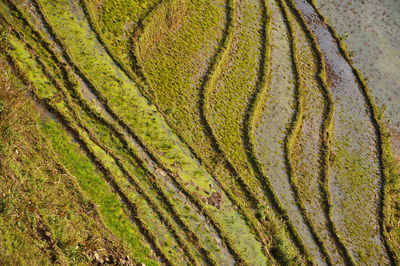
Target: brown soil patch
x=215 y=200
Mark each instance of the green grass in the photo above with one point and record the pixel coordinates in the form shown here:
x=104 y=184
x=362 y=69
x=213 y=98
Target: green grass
x=90 y=180
x=41 y=83
x=226 y=218
x=123 y=96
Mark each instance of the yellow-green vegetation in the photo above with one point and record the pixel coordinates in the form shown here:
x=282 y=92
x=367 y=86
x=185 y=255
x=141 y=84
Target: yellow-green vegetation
x=44 y=210
x=117 y=133
x=111 y=208
x=58 y=108
x=230 y=89
x=174 y=59
x=197 y=202
x=138 y=187
x=39 y=93
x=180 y=96
x=143 y=123
x=117 y=20
x=181 y=132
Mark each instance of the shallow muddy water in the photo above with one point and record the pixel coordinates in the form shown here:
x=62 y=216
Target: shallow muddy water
x=355 y=171
x=272 y=126
x=372 y=33
x=307 y=150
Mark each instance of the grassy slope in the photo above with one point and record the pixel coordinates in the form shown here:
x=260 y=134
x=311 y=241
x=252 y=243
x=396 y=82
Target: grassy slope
x=113 y=208
x=44 y=89
x=143 y=181
x=113 y=211
x=43 y=210
x=189 y=219
x=122 y=93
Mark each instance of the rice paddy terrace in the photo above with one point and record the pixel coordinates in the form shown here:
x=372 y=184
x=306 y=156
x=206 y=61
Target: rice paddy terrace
x=198 y=132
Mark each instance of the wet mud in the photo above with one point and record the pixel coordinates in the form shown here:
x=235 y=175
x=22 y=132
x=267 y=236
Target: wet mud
x=355 y=171
x=272 y=127
x=371 y=33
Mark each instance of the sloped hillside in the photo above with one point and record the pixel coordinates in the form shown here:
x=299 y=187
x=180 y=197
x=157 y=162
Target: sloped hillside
x=180 y=132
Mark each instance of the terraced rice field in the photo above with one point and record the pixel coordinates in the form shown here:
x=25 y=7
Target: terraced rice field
x=225 y=132
x=374 y=49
